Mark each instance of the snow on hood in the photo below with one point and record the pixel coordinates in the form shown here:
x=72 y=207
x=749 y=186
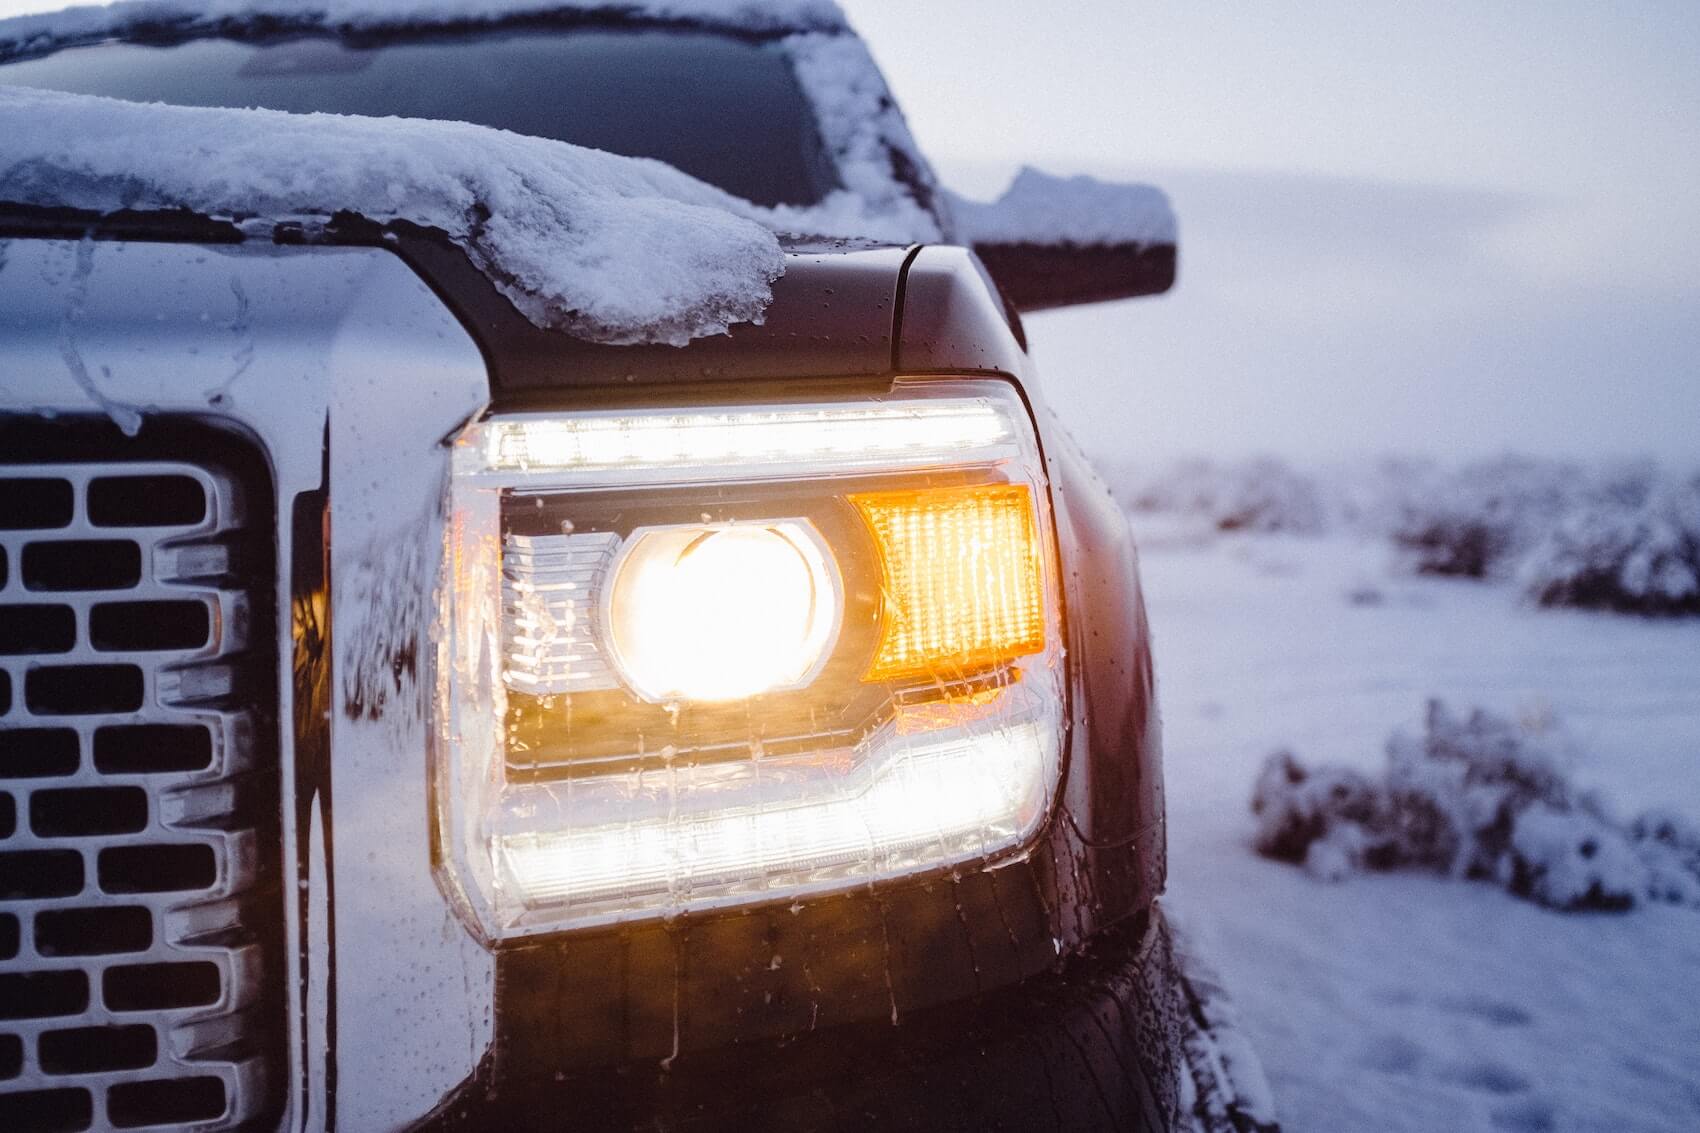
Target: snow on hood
x=89 y=23
x=1038 y=208
x=612 y=249
x=609 y=248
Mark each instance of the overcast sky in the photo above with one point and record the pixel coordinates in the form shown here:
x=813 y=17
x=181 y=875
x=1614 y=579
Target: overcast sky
x=1447 y=228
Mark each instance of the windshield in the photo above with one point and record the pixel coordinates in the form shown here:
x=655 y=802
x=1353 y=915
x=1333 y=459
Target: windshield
x=724 y=109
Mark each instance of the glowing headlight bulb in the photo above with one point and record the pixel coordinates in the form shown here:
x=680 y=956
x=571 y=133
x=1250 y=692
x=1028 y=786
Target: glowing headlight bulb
x=722 y=612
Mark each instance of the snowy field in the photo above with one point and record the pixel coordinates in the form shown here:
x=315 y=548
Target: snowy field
x=1408 y=1001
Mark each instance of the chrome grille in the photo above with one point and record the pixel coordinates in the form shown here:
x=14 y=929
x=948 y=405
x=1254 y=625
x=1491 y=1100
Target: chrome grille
x=139 y=915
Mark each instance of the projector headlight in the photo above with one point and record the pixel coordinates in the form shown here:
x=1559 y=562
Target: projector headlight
x=702 y=658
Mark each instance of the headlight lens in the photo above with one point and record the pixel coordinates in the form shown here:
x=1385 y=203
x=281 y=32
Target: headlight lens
x=693 y=659
x=703 y=613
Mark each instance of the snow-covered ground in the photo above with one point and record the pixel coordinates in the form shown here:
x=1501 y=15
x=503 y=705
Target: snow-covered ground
x=1409 y=1001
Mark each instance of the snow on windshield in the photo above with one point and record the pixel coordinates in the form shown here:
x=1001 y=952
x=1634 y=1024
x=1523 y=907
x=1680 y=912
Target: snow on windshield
x=1038 y=208
x=612 y=249
x=867 y=139
x=88 y=23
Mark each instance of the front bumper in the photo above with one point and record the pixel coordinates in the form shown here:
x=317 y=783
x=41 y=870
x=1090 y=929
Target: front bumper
x=1093 y=1043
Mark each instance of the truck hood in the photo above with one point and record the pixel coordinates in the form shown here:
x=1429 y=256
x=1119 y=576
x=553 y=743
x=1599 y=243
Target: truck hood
x=833 y=314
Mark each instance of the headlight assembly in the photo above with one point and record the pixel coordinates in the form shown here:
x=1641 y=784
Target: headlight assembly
x=700 y=658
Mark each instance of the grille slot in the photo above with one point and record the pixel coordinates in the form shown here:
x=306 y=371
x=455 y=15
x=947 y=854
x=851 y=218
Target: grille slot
x=160 y=987
x=158 y=869
x=146 y=501
x=178 y=1102
x=143 y=749
x=28 y=753
x=138 y=782
x=93 y=932
x=43 y=995
x=90 y=1050
x=85 y=812
x=83 y=690
x=82 y=564
x=118 y=627
x=34 y=874
x=46 y=1111
x=37 y=629
x=36 y=503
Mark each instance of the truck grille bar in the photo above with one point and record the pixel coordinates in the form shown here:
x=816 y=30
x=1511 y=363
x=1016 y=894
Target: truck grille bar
x=140 y=918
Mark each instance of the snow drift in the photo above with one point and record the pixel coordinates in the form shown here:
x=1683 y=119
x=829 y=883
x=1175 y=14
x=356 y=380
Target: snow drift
x=610 y=248
x=1479 y=797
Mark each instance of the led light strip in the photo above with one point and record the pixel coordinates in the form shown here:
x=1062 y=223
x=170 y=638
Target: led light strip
x=975 y=794
x=829 y=436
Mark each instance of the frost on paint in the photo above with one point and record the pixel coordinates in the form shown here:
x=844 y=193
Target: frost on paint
x=49 y=31
x=1038 y=208
x=1479 y=797
x=610 y=248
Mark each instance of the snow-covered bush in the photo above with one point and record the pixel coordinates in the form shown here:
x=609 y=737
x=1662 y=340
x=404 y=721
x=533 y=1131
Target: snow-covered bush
x=1476 y=796
x=1624 y=538
x=1476 y=522
x=1633 y=547
x=1262 y=494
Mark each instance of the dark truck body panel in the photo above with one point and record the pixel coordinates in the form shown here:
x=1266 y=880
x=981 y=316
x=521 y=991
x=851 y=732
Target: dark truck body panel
x=1040 y=994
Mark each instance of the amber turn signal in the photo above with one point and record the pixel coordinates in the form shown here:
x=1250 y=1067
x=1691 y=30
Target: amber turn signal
x=962 y=579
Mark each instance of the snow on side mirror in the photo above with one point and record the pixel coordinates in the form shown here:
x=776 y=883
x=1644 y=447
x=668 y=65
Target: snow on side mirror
x=1058 y=241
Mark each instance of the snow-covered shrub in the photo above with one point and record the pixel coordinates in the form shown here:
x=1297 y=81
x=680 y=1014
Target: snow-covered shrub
x=1633 y=547
x=1476 y=796
x=1476 y=522
x=1262 y=495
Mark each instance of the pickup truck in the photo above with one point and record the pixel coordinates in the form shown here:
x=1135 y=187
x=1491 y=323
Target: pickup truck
x=412 y=716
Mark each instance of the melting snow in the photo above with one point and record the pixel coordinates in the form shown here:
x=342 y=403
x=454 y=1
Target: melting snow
x=611 y=248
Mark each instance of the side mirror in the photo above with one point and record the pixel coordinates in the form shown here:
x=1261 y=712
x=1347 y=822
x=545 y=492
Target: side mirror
x=1055 y=241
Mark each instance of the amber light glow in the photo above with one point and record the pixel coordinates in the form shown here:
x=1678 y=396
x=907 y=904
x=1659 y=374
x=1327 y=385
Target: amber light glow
x=963 y=579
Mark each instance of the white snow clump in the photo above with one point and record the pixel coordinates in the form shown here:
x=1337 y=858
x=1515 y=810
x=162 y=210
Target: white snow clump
x=1039 y=208
x=610 y=248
